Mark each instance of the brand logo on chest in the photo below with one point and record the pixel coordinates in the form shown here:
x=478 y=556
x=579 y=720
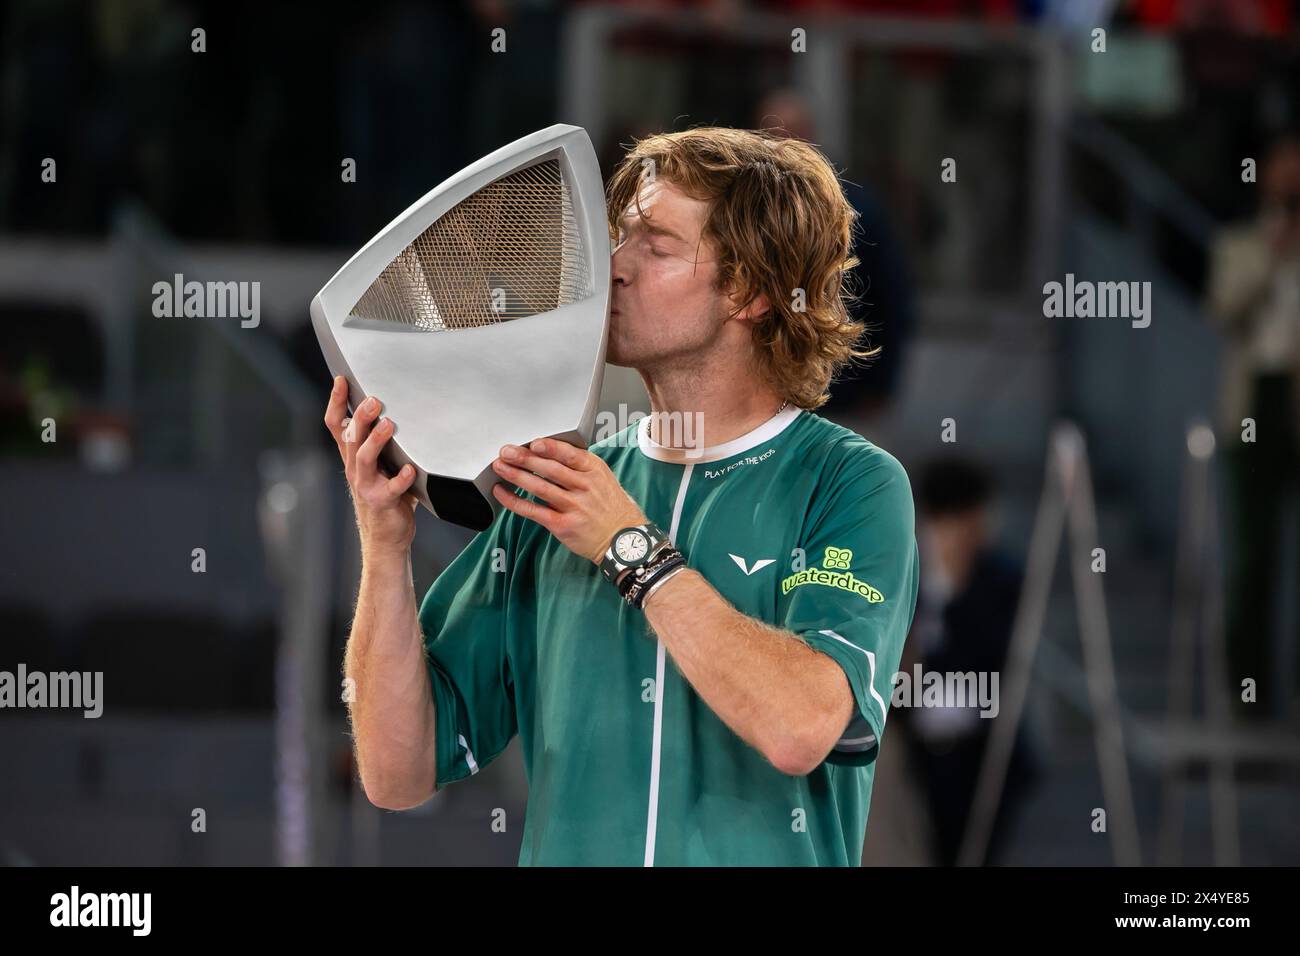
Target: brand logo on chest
x=758 y=565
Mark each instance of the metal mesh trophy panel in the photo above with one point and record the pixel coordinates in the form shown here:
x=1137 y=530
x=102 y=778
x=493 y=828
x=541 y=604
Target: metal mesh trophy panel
x=511 y=249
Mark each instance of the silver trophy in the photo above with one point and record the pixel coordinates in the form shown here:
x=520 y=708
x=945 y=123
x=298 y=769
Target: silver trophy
x=479 y=316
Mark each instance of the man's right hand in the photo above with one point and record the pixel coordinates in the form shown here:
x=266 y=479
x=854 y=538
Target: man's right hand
x=385 y=507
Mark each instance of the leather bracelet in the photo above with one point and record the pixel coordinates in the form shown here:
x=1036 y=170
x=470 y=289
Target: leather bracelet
x=636 y=593
x=629 y=578
x=659 y=582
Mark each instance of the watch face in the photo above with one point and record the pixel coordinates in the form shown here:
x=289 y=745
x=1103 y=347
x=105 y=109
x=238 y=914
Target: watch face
x=631 y=546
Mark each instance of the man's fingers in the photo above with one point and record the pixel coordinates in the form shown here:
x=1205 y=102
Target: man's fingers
x=357 y=430
x=522 y=506
x=367 y=413
x=579 y=459
x=368 y=453
x=337 y=410
x=553 y=470
x=402 y=481
x=349 y=445
x=552 y=494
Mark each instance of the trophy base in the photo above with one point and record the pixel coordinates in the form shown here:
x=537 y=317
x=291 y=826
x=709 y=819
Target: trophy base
x=459 y=502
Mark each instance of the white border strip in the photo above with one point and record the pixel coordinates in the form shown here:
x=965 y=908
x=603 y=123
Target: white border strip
x=871 y=661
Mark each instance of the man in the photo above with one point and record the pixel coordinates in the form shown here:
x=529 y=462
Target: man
x=963 y=626
x=730 y=713
x=1254 y=299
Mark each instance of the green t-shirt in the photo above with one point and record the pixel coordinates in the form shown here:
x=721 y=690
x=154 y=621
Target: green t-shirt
x=800 y=523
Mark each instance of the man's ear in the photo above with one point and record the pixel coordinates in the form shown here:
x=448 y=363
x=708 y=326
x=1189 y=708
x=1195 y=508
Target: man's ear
x=752 y=311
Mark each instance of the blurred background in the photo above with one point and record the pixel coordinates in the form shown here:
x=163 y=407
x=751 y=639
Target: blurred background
x=1162 y=150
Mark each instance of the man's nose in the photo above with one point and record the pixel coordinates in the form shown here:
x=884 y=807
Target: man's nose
x=618 y=266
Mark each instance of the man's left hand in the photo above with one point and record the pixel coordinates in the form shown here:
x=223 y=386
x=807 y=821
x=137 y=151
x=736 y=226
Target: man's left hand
x=582 y=503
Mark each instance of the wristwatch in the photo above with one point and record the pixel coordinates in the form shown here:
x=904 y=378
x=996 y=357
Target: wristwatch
x=632 y=548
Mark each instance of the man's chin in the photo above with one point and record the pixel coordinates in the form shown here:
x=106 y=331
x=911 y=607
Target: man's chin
x=617 y=353
x=622 y=357
x=639 y=354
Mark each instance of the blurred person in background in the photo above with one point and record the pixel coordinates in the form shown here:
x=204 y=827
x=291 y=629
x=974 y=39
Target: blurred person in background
x=1255 y=301
x=970 y=590
x=880 y=282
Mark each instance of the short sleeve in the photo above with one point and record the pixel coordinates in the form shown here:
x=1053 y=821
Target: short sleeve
x=463 y=619
x=856 y=595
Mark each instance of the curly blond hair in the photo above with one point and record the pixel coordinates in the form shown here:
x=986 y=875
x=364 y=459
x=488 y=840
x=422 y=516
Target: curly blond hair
x=782 y=228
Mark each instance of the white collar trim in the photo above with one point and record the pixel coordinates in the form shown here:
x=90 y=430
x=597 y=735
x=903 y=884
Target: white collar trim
x=688 y=456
